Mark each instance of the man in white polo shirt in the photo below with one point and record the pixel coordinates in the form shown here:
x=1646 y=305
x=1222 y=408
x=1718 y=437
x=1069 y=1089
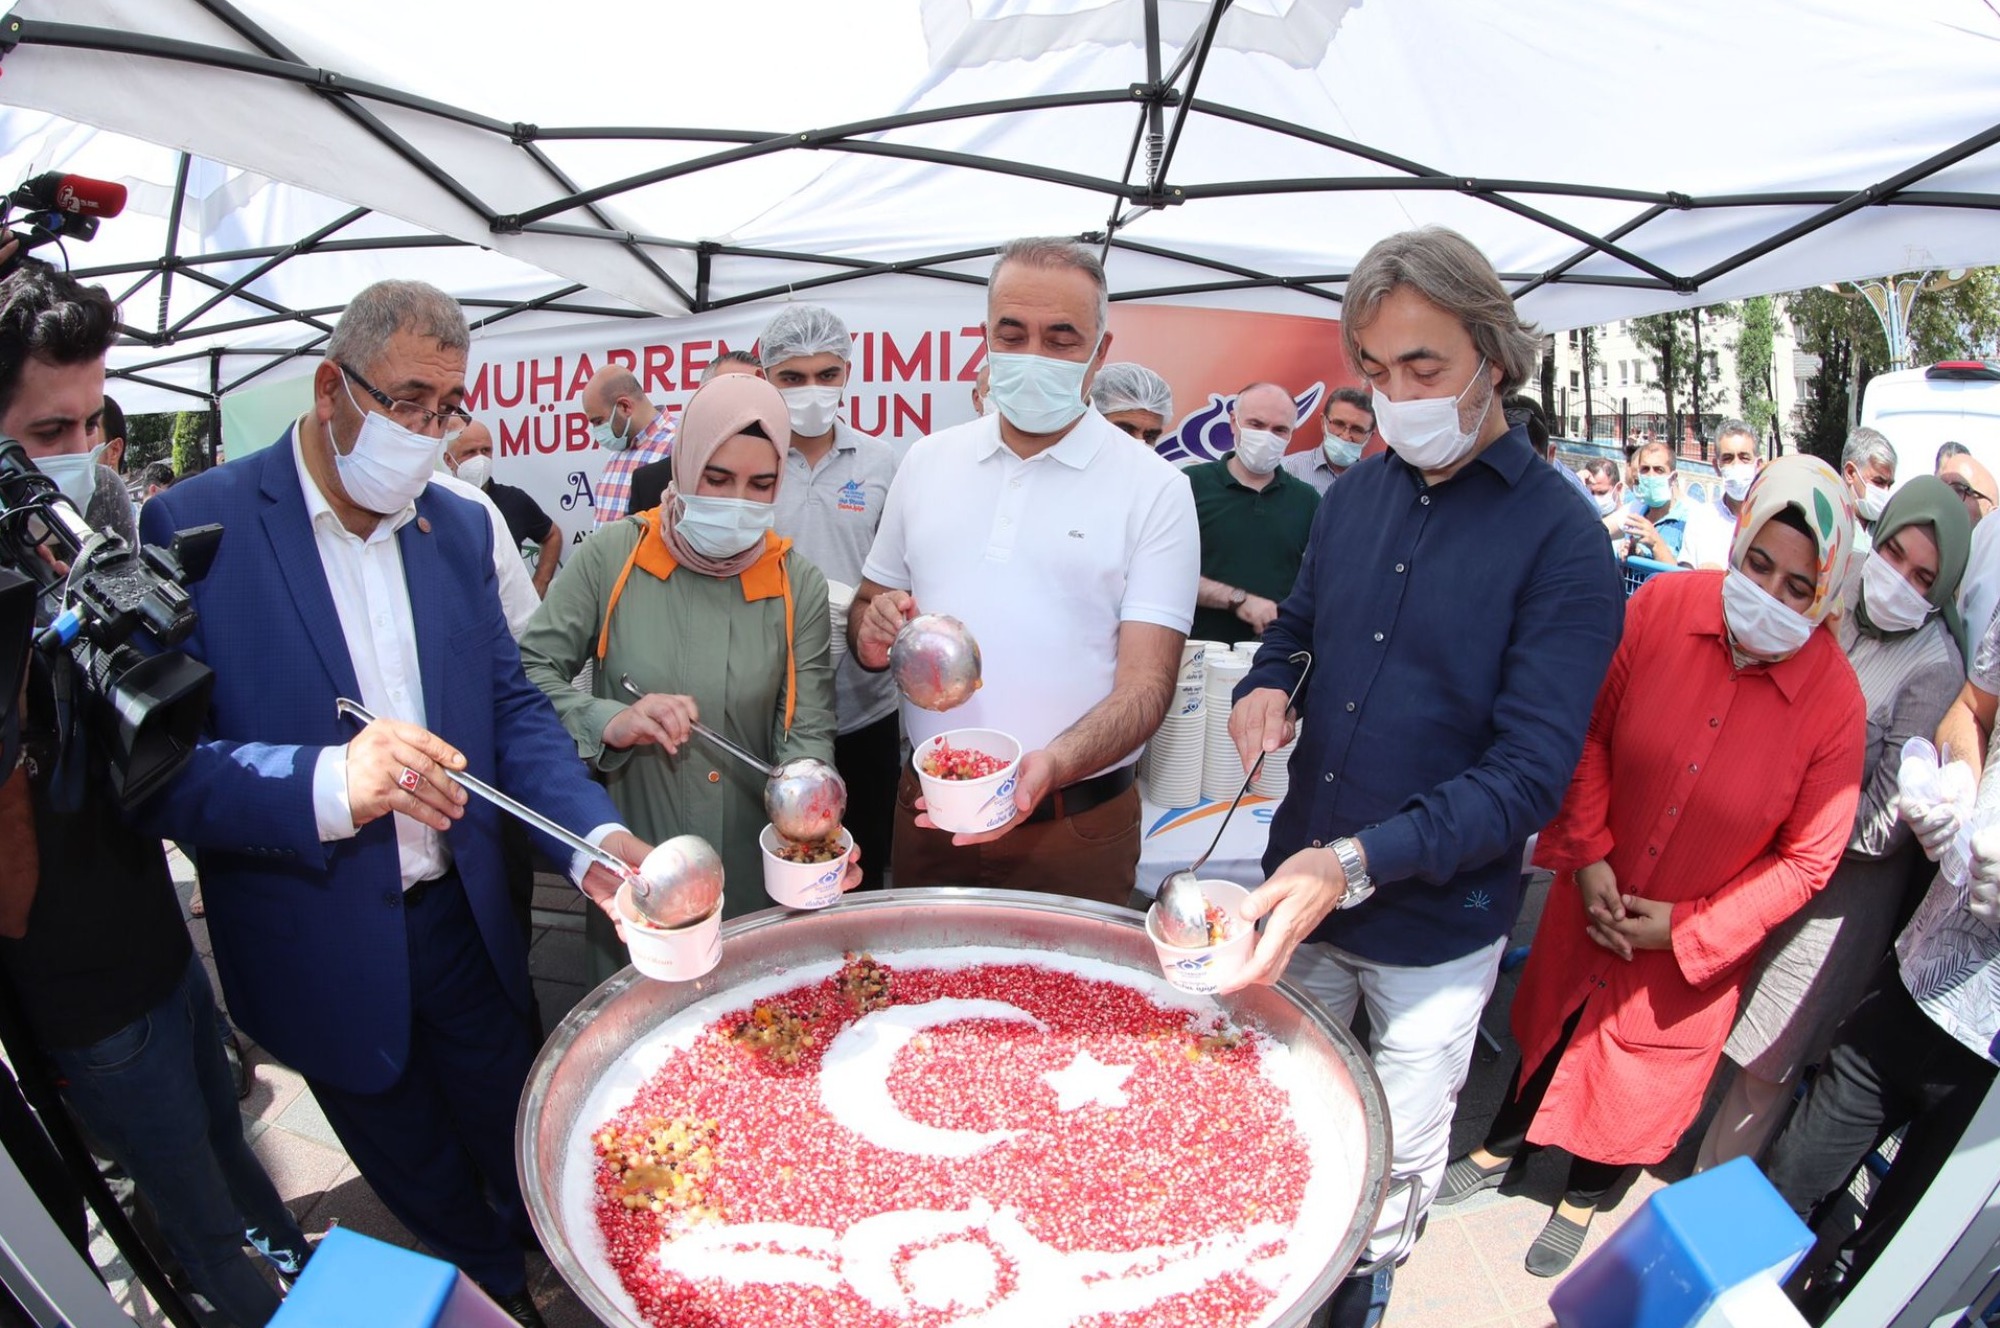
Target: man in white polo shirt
x=1073 y=557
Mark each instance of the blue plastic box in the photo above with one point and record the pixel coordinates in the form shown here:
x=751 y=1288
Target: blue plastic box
x=355 y=1279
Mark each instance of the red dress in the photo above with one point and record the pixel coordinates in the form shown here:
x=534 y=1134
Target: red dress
x=1729 y=793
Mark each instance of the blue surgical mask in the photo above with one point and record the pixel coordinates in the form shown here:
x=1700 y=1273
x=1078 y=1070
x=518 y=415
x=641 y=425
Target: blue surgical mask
x=609 y=438
x=1037 y=394
x=75 y=474
x=1654 y=489
x=1341 y=454
x=723 y=527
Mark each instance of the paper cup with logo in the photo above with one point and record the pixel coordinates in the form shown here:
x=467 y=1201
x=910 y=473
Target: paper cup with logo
x=670 y=954
x=1204 y=970
x=970 y=806
x=802 y=884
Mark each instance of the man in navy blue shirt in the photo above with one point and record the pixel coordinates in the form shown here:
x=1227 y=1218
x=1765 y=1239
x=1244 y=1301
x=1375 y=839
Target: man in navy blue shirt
x=1461 y=607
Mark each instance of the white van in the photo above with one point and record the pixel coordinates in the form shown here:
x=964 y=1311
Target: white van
x=1920 y=410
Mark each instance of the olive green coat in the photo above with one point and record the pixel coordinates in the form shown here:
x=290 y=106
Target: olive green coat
x=696 y=636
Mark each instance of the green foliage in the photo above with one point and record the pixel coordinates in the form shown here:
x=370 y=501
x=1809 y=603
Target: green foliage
x=1755 y=337
x=190 y=442
x=1826 y=325
x=148 y=438
x=1670 y=339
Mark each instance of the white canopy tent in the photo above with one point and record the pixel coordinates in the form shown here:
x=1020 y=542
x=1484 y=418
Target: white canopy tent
x=1613 y=158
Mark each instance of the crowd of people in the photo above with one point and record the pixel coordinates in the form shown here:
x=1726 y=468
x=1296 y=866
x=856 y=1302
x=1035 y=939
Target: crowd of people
x=1713 y=767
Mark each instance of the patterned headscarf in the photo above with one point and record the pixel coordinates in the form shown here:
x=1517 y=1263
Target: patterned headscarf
x=1809 y=484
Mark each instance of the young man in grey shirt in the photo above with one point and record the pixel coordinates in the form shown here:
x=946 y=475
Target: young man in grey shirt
x=836 y=482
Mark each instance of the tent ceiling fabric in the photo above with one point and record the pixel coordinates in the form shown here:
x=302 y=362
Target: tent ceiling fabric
x=1613 y=157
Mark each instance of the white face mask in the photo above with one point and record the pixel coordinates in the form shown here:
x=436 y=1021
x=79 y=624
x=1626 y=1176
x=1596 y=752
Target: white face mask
x=75 y=475
x=1763 y=628
x=813 y=409
x=1871 y=502
x=476 y=470
x=1259 y=450
x=609 y=438
x=1038 y=394
x=1736 y=479
x=1341 y=454
x=723 y=527
x=1607 y=502
x=1893 y=604
x=1426 y=433
x=389 y=464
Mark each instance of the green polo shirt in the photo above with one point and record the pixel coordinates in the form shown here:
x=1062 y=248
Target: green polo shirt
x=1253 y=538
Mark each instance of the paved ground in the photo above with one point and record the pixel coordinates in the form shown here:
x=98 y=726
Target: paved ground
x=1466 y=1272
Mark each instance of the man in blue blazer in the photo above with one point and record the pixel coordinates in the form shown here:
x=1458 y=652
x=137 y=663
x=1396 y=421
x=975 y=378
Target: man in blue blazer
x=355 y=896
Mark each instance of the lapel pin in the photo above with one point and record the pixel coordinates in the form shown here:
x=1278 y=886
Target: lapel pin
x=423 y=525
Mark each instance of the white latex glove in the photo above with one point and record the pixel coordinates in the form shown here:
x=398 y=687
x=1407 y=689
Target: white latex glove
x=1983 y=901
x=1936 y=824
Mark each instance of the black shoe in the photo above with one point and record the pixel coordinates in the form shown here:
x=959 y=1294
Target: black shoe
x=239 y=1073
x=520 y=1307
x=1558 y=1245
x=1465 y=1178
x=289 y=1260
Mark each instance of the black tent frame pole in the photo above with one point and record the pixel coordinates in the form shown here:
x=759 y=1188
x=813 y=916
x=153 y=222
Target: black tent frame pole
x=173 y=240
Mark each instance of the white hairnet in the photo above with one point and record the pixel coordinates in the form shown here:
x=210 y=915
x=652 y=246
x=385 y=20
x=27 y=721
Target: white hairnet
x=804 y=329
x=1131 y=387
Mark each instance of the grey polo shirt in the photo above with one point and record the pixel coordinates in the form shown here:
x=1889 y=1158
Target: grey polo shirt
x=830 y=512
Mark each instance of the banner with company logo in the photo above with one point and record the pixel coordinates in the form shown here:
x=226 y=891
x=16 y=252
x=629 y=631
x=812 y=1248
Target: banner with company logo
x=916 y=354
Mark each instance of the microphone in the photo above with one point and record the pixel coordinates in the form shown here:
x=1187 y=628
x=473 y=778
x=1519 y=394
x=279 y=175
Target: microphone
x=76 y=195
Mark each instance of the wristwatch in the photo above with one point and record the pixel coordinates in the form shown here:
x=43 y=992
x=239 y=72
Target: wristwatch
x=1359 y=883
x=1237 y=596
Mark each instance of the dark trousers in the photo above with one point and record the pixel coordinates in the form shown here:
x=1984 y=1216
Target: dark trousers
x=158 y=1097
x=438 y=1146
x=1508 y=1136
x=868 y=759
x=1091 y=855
x=1890 y=1066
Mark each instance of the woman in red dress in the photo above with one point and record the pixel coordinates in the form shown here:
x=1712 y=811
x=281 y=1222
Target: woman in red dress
x=1715 y=794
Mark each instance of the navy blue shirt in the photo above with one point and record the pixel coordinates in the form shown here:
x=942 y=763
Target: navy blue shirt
x=1459 y=634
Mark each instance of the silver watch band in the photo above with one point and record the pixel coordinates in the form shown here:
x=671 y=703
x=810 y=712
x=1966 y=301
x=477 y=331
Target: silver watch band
x=1359 y=884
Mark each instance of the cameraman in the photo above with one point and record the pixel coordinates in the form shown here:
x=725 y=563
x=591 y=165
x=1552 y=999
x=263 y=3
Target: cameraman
x=103 y=974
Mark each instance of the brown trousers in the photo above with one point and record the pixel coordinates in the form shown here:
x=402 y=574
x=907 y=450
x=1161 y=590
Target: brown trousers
x=1092 y=855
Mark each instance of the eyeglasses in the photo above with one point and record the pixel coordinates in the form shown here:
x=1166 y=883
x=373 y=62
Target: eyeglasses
x=1964 y=491
x=408 y=413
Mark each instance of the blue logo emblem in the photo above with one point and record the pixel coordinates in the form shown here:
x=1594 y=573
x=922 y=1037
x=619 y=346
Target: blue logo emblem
x=853 y=497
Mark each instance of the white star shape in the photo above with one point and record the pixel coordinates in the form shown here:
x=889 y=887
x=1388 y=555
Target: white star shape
x=1086 y=1081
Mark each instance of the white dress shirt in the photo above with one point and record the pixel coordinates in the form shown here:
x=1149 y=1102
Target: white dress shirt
x=365 y=577
x=518 y=600
x=1042 y=559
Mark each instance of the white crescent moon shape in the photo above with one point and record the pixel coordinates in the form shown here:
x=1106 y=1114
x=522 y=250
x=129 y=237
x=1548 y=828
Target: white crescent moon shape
x=854 y=1077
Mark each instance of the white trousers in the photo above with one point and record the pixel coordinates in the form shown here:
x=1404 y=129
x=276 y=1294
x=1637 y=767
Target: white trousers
x=1423 y=1023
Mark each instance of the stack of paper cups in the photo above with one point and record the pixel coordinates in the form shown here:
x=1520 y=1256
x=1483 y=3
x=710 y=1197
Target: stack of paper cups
x=1221 y=768
x=1247 y=649
x=1171 y=765
x=1275 y=775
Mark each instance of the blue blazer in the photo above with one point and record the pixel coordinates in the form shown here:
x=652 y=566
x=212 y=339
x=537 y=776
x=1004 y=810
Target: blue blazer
x=309 y=936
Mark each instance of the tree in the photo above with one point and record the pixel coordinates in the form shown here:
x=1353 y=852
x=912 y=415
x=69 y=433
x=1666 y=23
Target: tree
x=190 y=442
x=1826 y=325
x=1756 y=334
x=148 y=438
x=1671 y=341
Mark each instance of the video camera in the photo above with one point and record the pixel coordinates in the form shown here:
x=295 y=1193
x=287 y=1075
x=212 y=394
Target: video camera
x=146 y=707
x=58 y=207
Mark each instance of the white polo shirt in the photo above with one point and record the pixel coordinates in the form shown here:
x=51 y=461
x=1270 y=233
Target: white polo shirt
x=1042 y=560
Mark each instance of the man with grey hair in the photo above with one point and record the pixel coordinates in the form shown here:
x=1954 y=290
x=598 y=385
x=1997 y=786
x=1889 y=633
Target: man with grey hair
x=356 y=898
x=1711 y=526
x=1135 y=399
x=830 y=505
x=1461 y=608
x=1072 y=557
x=1868 y=466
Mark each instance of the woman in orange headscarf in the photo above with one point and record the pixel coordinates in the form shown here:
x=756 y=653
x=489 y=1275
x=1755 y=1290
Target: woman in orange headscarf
x=1715 y=794
x=711 y=617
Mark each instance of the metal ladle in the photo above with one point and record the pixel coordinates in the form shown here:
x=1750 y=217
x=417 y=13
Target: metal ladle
x=804 y=798
x=1181 y=909
x=935 y=662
